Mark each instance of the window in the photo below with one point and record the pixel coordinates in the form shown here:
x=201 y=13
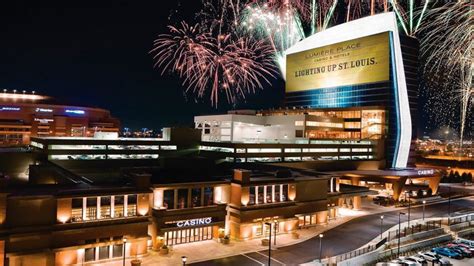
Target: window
x=105 y=207
x=76 y=214
x=91 y=210
x=103 y=252
x=168 y=199
x=277 y=193
x=285 y=193
x=118 y=206
x=89 y=254
x=299 y=133
x=132 y=205
x=299 y=123
x=260 y=195
x=269 y=194
x=208 y=196
x=195 y=197
x=252 y=195
x=182 y=198
x=117 y=250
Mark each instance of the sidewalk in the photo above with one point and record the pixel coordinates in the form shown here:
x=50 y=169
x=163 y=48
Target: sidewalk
x=211 y=249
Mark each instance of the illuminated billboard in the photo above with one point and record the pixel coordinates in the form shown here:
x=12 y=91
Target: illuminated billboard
x=358 y=61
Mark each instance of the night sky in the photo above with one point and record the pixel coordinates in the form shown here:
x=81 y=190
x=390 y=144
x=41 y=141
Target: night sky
x=96 y=54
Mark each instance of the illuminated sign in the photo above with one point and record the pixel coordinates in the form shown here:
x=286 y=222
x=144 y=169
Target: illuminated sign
x=194 y=222
x=426 y=172
x=76 y=112
x=358 y=61
x=44 y=110
x=9 y=108
x=43 y=120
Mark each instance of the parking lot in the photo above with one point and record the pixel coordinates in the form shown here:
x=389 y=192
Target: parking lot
x=459 y=252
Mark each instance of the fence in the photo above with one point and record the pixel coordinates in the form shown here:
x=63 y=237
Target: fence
x=461 y=219
x=413 y=229
x=360 y=251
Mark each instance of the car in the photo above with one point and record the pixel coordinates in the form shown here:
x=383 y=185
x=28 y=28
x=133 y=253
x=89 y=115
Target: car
x=415 y=259
x=462 y=250
x=404 y=262
x=448 y=253
x=466 y=242
x=471 y=248
x=434 y=258
x=418 y=259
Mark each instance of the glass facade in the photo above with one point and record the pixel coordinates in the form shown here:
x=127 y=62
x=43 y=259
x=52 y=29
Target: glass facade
x=267 y=194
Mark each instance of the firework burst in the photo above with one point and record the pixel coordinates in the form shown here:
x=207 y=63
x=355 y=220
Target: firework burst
x=223 y=64
x=447 y=50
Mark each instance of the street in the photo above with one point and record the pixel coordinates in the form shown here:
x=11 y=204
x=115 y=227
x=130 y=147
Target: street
x=341 y=239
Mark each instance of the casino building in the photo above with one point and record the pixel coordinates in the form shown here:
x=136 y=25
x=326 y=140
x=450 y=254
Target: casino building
x=93 y=197
x=24 y=115
x=351 y=105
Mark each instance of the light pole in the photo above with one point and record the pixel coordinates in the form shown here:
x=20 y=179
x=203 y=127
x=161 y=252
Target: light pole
x=381 y=226
x=124 y=247
x=449 y=202
x=275 y=233
x=269 y=242
x=424 y=203
x=184 y=259
x=399 y=232
x=407 y=194
x=320 y=247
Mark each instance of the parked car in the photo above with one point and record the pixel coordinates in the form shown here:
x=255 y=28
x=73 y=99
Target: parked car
x=417 y=258
x=470 y=248
x=462 y=250
x=405 y=262
x=434 y=258
x=448 y=253
x=466 y=242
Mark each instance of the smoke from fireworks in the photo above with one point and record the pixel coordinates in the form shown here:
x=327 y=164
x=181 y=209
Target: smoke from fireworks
x=222 y=64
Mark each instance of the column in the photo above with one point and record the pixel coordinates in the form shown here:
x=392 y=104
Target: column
x=112 y=206
x=84 y=208
x=398 y=187
x=98 y=209
x=281 y=193
x=357 y=200
x=125 y=205
x=273 y=193
x=264 y=194
x=256 y=195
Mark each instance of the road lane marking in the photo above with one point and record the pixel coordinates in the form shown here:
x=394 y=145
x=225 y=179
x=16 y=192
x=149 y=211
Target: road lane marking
x=252 y=259
x=271 y=258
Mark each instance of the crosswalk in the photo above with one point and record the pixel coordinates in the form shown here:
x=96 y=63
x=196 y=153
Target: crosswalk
x=260 y=258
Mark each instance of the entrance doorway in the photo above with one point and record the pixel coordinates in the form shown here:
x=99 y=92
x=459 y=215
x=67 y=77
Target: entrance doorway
x=189 y=235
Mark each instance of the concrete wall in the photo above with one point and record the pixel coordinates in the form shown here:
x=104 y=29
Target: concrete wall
x=41 y=210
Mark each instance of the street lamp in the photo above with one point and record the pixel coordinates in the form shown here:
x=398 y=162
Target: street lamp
x=424 y=203
x=269 y=242
x=449 y=202
x=381 y=226
x=399 y=232
x=409 y=207
x=124 y=246
x=275 y=233
x=184 y=259
x=320 y=247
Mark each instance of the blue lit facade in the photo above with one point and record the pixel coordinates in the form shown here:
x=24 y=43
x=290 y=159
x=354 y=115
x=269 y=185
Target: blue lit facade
x=381 y=94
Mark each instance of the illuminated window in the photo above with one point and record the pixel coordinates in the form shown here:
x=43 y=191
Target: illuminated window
x=299 y=123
